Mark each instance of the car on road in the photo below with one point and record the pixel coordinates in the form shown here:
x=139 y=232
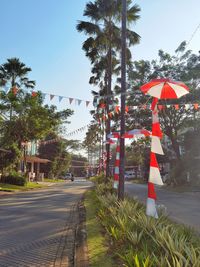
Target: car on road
x=129 y=175
x=67 y=176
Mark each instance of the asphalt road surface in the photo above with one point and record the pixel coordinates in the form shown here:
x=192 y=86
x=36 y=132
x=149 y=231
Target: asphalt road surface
x=37 y=228
x=182 y=207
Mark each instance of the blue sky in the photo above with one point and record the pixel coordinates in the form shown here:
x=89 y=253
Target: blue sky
x=42 y=33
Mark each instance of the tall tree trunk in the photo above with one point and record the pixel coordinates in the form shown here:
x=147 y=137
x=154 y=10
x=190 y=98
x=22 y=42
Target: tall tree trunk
x=123 y=101
x=108 y=102
x=175 y=146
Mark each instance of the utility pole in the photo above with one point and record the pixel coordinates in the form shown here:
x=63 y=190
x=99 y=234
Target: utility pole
x=123 y=101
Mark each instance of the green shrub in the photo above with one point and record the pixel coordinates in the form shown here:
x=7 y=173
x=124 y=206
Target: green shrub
x=139 y=240
x=14 y=178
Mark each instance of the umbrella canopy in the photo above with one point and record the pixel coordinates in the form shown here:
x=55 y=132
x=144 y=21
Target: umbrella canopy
x=110 y=141
x=165 y=89
x=137 y=133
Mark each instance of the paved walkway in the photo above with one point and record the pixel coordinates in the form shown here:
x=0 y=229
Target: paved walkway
x=37 y=228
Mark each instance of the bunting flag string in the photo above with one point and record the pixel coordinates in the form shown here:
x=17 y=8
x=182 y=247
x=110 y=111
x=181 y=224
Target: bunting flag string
x=71 y=100
x=113 y=109
x=54 y=140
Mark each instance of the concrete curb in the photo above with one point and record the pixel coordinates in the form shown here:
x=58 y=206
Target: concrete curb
x=81 y=250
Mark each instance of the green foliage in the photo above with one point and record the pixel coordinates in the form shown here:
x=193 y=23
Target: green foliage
x=144 y=241
x=9 y=160
x=97 y=244
x=57 y=153
x=13 y=178
x=24 y=118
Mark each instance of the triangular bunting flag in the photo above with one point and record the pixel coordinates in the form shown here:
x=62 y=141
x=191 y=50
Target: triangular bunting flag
x=70 y=100
x=51 y=97
x=87 y=103
x=34 y=94
x=15 y=90
x=7 y=89
x=43 y=96
x=60 y=98
x=79 y=101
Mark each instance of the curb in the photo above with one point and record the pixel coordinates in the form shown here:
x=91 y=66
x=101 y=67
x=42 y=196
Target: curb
x=81 y=250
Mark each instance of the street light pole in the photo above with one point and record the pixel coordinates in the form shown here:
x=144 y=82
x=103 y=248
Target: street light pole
x=123 y=101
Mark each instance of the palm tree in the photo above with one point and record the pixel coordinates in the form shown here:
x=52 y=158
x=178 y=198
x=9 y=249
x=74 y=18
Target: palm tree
x=14 y=73
x=105 y=38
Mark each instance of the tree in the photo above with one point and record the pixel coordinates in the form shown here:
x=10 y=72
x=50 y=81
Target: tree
x=24 y=118
x=14 y=73
x=59 y=152
x=183 y=66
x=104 y=41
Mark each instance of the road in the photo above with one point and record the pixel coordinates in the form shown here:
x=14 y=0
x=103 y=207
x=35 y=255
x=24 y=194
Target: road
x=181 y=207
x=37 y=228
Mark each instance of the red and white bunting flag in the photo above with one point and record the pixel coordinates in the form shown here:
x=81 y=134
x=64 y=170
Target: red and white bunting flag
x=87 y=103
x=79 y=101
x=60 y=98
x=51 y=97
x=176 y=106
x=15 y=90
x=71 y=100
x=34 y=94
x=117 y=109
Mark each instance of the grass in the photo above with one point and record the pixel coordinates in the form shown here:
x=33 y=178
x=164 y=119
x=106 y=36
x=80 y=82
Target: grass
x=97 y=247
x=13 y=188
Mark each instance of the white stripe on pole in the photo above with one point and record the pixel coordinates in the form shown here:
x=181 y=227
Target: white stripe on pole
x=156 y=145
x=151 y=208
x=154 y=176
x=115 y=184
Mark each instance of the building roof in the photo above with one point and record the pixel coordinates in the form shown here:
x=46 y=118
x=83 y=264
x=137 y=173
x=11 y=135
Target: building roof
x=36 y=159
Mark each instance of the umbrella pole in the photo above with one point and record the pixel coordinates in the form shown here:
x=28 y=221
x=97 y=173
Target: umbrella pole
x=123 y=100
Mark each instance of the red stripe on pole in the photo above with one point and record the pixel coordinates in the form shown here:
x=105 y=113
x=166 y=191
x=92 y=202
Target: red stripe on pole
x=156 y=131
x=151 y=191
x=117 y=149
x=117 y=162
x=153 y=160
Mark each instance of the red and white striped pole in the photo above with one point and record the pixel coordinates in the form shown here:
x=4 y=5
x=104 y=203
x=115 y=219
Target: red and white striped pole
x=154 y=173
x=117 y=163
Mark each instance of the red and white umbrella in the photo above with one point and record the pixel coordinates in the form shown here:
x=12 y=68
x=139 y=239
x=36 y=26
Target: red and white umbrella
x=165 y=89
x=137 y=133
x=110 y=141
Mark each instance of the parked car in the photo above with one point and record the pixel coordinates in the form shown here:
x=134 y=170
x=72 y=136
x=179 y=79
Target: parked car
x=67 y=176
x=129 y=175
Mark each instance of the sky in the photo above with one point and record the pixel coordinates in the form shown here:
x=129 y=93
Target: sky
x=43 y=35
